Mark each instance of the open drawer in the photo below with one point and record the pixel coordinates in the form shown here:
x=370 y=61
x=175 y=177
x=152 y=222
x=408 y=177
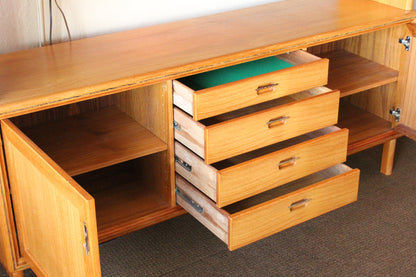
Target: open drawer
x=273 y=211
x=251 y=173
x=208 y=94
x=231 y=134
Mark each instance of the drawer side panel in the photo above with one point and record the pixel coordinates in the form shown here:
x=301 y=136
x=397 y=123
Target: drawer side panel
x=211 y=217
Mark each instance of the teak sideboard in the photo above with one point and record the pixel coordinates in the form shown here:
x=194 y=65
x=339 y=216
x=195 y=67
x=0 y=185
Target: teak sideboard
x=107 y=135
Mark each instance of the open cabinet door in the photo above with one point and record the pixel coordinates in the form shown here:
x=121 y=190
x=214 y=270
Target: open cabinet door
x=55 y=217
x=406 y=96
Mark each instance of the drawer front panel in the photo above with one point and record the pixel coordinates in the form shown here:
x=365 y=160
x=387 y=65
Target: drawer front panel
x=262 y=220
x=260 y=129
x=278 y=168
x=245 y=179
x=232 y=96
x=289 y=210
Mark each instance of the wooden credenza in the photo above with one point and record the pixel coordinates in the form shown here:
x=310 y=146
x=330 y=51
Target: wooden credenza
x=93 y=130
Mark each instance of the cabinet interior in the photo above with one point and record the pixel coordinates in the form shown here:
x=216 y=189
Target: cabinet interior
x=365 y=69
x=117 y=148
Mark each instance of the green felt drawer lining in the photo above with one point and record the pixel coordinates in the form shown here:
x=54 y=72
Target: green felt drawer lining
x=234 y=73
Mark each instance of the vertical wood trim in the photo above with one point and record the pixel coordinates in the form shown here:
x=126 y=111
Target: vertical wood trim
x=405 y=98
x=8 y=242
x=387 y=159
x=170 y=140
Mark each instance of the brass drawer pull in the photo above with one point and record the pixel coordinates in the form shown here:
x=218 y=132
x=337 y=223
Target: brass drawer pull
x=299 y=204
x=277 y=121
x=266 y=88
x=288 y=162
x=188 y=200
x=184 y=164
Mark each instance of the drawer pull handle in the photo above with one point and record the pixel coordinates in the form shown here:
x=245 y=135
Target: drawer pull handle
x=184 y=164
x=267 y=88
x=277 y=121
x=288 y=162
x=299 y=204
x=188 y=200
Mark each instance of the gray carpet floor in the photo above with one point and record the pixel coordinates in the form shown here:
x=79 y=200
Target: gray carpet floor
x=375 y=236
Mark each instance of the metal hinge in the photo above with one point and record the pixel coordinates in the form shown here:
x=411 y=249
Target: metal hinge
x=396 y=113
x=405 y=42
x=86 y=239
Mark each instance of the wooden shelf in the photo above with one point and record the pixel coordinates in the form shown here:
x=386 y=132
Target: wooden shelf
x=94 y=140
x=125 y=199
x=351 y=73
x=365 y=129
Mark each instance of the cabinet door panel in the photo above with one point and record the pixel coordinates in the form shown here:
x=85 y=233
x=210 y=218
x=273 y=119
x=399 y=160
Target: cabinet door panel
x=55 y=217
x=406 y=99
x=9 y=254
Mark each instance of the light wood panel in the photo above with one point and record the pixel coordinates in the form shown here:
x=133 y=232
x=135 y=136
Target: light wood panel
x=220 y=99
x=366 y=129
x=69 y=72
x=151 y=107
x=52 y=211
x=9 y=248
x=351 y=73
x=91 y=141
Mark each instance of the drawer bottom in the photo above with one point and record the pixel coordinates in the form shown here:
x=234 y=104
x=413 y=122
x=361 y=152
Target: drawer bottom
x=273 y=211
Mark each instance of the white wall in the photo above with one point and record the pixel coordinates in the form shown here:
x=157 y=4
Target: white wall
x=25 y=23
x=20 y=25
x=94 y=17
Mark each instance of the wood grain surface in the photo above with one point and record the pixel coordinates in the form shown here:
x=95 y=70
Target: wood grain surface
x=73 y=71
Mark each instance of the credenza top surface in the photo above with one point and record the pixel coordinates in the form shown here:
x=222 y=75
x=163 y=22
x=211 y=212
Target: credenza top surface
x=67 y=72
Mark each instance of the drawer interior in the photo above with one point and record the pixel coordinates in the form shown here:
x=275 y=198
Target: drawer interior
x=234 y=73
x=265 y=105
x=115 y=149
x=246 y=70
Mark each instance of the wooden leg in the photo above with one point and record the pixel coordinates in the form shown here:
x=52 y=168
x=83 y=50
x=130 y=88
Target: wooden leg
x=387 y=159
x=17 y=274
